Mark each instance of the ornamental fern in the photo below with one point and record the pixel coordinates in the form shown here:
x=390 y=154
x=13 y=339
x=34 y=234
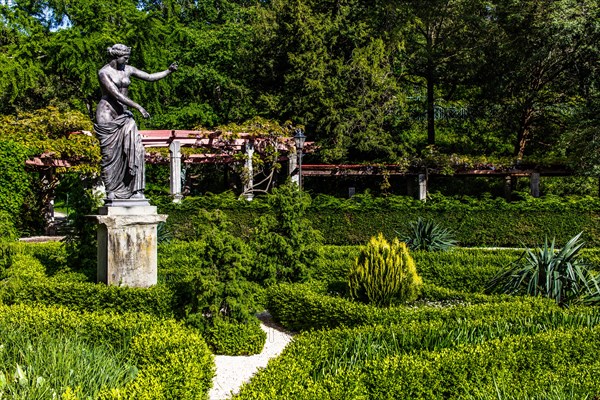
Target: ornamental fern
x=384 y=273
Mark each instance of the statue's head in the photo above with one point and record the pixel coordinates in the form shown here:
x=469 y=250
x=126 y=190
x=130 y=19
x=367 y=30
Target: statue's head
x=118 y=50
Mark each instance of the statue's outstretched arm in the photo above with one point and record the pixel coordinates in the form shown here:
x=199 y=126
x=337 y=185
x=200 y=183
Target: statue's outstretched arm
x=155 y=76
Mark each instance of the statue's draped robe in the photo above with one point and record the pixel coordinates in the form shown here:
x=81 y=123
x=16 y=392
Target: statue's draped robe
x=123 y=153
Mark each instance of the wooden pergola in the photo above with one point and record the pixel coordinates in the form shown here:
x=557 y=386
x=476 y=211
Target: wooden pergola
x=216 y=147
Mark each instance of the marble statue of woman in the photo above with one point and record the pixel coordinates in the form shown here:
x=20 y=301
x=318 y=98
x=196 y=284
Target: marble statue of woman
x=122 y=165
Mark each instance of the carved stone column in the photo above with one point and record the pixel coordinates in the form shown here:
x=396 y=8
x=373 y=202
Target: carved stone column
x=127 y=245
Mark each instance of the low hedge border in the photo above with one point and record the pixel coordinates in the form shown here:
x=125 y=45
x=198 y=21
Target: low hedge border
x=556 y=362
x=173 y=361
x=85 y=296
x=299 y=307
x=317 y=358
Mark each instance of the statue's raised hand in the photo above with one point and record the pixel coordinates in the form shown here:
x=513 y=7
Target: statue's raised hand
x=173 y=67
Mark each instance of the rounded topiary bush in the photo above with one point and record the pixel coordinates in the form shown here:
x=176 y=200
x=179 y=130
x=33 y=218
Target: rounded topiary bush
x=384 y=273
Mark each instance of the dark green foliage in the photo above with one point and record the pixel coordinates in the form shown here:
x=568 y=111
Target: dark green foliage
x=428 y=236
x=235 y=338
x=384 y=273
x=14 y=186
x=211 y=275
x=8 y=231
x=52 y=255
x=284 y=241
x=556 y=274
x=494 y=222
x=81 y=238
x=466 y=270
x=163 y=235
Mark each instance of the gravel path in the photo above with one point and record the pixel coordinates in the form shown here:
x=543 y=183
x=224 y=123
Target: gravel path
x=233 y=371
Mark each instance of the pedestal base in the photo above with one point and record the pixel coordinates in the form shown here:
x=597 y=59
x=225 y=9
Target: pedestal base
x=127 y=245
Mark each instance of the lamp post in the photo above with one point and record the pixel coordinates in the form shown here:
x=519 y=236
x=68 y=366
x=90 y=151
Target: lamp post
x=299 y=138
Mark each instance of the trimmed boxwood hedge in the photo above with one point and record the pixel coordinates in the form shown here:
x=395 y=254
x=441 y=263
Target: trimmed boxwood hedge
x=299 y=307
x=85 y=296
x=234 y=338
x=487 y=222
x=173 y=361
x=25 y=282
x=547 y=363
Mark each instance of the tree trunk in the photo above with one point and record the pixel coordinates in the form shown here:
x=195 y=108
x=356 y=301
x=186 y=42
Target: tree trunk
x=430 y=105
x=524 y=132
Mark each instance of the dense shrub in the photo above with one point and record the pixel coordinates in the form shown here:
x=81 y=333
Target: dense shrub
x=52 y=255
x=14 y=186
x=468 y=270
x=384 y=273
x=8 y=230
x=284 y=240
x=234 y=338
x=300 y=307
x=173 y=362
x=209 y=278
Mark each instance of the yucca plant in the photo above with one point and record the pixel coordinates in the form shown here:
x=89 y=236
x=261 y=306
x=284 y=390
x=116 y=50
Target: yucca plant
x=384 y=272
x=557 y=274
x=430 y=236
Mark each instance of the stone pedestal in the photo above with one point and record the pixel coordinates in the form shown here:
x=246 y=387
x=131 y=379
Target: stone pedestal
x=127 y=244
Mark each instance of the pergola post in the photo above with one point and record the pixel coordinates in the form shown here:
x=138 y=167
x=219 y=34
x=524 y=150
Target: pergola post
x=293 y=169
x=175 y=174
x=534 y=184
x=422 y=187
x=508 y=186
x=248 y=173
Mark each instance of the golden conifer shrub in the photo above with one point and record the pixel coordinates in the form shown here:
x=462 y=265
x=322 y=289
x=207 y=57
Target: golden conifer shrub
x=384 y=273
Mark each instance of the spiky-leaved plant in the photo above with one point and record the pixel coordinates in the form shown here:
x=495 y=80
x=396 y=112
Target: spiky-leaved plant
x=384 y=273
x=557 y=274
x=429 y=236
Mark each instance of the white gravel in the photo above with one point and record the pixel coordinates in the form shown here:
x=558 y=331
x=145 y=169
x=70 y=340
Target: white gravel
x=233 y=371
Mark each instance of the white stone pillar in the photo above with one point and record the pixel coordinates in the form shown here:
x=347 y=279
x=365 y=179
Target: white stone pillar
x=422 y=187
x=127 y=245
x=534 y=184
x=175 y=175
x=248 y=179
x=293 y=168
